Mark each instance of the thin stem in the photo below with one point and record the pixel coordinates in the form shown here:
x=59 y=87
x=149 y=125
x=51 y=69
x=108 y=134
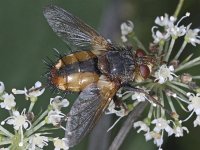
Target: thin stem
x=171 y=103
x=180 y=84
x=32 y=130
x=188 y=64
x=181 y=50
x=133 y=116
x=150 y=112
x=40 y=118
x=31 y=106
x=176 y=88
x=178 y=8
x=170 y=49
x=195 y=77
x=5 y=142
x=162 y=102
x=139 y=43
x=6 y=132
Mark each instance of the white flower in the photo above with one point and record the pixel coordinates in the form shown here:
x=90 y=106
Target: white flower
x=162 y=124
x=18 y=120
x=164 y=73
x=143 y=126
x=124 y=39
x=192 y=36
x=111 y=110
x=197 y=121
x=2 y=87
x=176 y=31
x=157 y=137
x=140 y=97
x=127 y=27
x=60 y=144
x=37 y=141
x=54 y=117
x=165 y=21
x=158 y=36
x=57 y=103
x=9 y=101
x=178 y=131
x=35 y=91
x=194 y=102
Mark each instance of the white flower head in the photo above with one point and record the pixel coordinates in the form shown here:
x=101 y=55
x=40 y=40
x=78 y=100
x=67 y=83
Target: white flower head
x=37 y=141
x=9 y=101
x=164 y=73
x=18 y=121
x=54 y=117
x=2 y=87
x=197 y=121
x=143 y=126
x=176 y=30
x=178 y=131
x=159 y=36
x=162 y=124
x=35 y=91
x=127 y=27
x=194 y=102
x=140 y=97
x=165 y=21
x=192 y=36
x=157 y=137
x=57 y=102
x=60 y=144
x=112 y=110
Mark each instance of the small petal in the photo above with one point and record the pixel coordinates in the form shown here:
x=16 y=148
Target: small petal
x=2 y=87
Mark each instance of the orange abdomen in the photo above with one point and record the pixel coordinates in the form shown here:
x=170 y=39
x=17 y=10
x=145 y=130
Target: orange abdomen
x=75 y=71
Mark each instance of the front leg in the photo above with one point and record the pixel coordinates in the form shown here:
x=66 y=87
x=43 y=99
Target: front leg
x=128 y=87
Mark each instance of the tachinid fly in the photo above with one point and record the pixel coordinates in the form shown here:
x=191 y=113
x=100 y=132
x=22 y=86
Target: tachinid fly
x=96 y=69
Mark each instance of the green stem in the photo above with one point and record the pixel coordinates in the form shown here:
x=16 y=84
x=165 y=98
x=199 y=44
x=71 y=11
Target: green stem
x=170 y=49
x=181 y=50
x=5 y=142
x=31 y=106
x=171 y=103
x=191 y=63
x=195 y=77
x=162 y=103
x=181 y=84
x=178 y=8
x=40 y=118
x=32 y=130
x=139 y=43
x=7 y=133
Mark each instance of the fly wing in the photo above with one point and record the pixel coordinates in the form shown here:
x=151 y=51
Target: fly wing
x=87 y=109
x=73 y=31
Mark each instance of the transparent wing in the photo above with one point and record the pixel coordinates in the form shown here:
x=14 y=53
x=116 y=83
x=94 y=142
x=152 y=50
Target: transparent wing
x=74 y=31
x=87 y=109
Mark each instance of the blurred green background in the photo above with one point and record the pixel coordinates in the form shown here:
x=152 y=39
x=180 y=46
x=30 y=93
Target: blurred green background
x=26 y=39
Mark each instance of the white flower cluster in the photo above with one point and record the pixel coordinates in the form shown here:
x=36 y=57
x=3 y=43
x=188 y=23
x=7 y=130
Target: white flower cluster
x=159 y=126
x=174 y=30
x=21 y=122
x=166 y=83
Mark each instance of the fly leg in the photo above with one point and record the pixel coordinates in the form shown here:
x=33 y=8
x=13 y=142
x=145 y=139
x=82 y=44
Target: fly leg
x=149 y=97
x=119 y=104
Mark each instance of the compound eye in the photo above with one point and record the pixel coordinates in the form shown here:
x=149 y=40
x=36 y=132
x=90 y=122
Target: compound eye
x=140 y=53
x=144 y=71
